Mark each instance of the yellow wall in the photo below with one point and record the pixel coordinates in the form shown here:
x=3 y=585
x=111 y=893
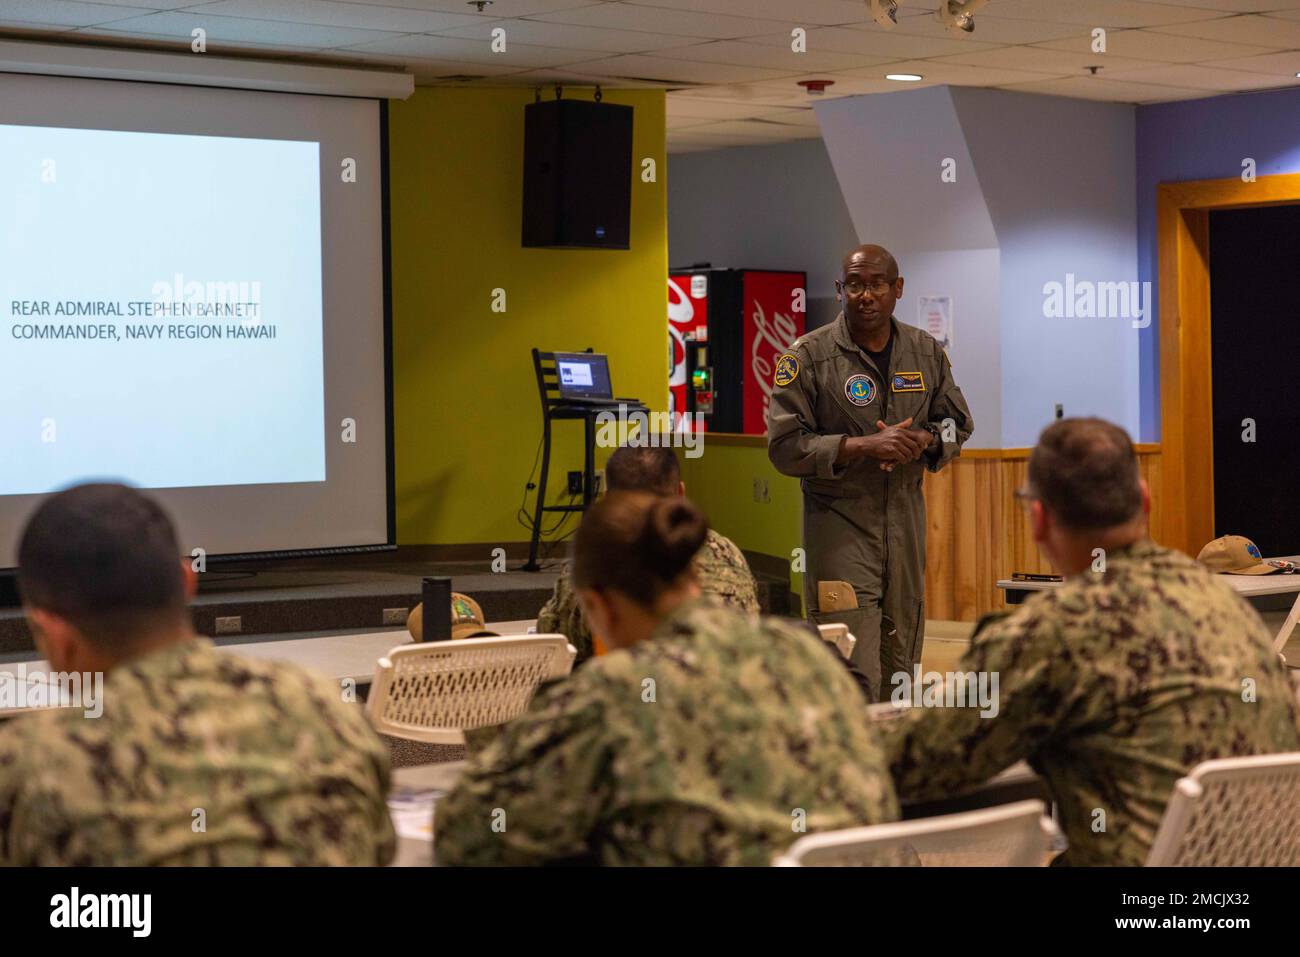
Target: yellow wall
x=721 y=481
x=467 y=417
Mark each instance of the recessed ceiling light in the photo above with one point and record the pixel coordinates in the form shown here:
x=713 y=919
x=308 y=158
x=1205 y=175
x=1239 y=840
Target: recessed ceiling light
x=904 y=77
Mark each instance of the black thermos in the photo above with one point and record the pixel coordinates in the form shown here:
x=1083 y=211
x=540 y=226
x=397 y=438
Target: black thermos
x=437 y=609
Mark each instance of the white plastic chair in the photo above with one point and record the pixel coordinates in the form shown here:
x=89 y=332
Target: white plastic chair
x=1233 y=812
x=837 y=634
x=1288 y=626
x=434 y=691
x=1009 y=835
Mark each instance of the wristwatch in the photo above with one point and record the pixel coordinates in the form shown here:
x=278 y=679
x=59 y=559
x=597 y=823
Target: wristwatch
x=933 y=430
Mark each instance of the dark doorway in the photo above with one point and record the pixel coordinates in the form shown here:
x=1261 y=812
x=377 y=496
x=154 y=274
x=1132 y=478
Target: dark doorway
x=1255 y=369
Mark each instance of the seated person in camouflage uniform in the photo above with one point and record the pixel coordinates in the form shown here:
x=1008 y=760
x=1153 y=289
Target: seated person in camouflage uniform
x=198 y=756
x=720 y=567
x=1139 y=667
x=705 y=736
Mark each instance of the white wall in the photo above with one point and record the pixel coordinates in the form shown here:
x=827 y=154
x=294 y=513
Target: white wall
x=762 y=207
x=1044 y=187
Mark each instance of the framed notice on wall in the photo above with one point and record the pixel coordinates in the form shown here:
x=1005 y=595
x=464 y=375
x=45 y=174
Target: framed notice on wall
x=934 y=315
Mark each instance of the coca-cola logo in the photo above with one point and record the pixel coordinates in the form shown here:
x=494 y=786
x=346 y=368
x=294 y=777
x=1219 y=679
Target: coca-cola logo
x=681 y=312
x=771 y=339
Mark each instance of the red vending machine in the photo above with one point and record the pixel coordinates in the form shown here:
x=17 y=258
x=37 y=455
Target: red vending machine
x=726 y=328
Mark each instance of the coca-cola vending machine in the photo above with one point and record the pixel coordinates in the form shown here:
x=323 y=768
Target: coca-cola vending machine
x=726 y=328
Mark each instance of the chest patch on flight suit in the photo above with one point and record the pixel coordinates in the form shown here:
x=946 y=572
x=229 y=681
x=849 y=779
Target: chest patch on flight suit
x=908 y=382
x=787 y=370
x=859 y=389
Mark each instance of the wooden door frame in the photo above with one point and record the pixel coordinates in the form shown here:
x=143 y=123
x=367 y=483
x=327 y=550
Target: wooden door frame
x=1186 y=400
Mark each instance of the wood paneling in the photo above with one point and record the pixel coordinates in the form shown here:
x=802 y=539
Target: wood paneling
x=977 y=533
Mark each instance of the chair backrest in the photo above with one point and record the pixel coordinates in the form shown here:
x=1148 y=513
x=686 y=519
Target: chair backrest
x=436 y=690
x=837 y=634
x=1233 y=812
x=1009 y=835
x=1288 y=626
x=548 y=378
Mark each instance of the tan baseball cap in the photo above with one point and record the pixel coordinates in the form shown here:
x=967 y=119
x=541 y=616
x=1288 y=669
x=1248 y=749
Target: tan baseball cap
x=1234 y=555
x=466 y=619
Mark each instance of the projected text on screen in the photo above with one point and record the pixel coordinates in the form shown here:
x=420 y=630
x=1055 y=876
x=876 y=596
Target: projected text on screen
x=160 y=310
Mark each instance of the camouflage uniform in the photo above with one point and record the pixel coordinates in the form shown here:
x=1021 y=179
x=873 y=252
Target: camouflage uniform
x=1113 y=686
x=720 y=568
x=862 y=526
x=753 y=727
x=284 y=770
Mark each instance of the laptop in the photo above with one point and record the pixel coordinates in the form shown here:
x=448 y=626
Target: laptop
x=583 y=377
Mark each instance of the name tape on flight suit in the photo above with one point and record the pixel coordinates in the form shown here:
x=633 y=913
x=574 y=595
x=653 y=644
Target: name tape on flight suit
x=908 y=382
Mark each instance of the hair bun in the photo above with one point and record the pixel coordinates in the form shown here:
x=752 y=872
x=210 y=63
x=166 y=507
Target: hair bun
x=674 y=531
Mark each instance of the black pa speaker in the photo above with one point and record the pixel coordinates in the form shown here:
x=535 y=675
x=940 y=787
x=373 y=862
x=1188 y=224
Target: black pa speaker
x=577 y=174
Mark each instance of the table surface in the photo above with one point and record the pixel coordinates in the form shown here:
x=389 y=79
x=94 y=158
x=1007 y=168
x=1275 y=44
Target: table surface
x=1246 y=585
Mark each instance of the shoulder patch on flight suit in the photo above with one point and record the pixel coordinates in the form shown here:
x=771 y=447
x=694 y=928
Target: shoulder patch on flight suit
x=787 y=369
x=908 y=382
x=860 y=389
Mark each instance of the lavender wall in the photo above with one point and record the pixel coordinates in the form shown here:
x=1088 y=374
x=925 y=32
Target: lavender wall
x=1202 y=139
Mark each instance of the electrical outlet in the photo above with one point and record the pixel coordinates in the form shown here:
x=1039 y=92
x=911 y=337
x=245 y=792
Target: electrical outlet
x=761 y=492
x=231 y=625
x=1060 y=411
x=395 y=616
x=575 y=483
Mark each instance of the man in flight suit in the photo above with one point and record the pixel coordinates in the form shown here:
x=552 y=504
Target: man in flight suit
x=863 y=511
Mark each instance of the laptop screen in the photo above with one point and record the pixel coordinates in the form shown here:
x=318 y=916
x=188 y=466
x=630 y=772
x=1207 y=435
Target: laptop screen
x=583 y=375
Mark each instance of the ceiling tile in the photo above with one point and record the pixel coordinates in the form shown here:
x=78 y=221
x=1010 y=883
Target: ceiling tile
x=1248 y=28
x=759 y=129
x=499 y=8
x=425 y=67
x=957 y=74
x=290 y=36
x=989 y=28
x=64 y=13
x=687 y=23
x=1114 y=91
x=742 y=53
x=1201 y=77
x=1036 y=59
x=334 y=14
x=1234 y=6
x=701 y=108
x=680 y=71
x=516 y=56
x=1282 y=64
x=1099 y=13
x=897 y=46
x=805 y=12
x=1149 y=45
x=545 y=33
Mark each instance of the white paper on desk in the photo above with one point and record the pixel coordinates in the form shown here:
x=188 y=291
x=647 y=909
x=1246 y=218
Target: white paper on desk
x=412 y=812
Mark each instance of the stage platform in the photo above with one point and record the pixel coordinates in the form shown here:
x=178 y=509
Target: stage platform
x=286 y=600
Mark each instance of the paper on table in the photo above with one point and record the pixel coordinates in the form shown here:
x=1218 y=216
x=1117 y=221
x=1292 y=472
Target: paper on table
x=412 y=812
